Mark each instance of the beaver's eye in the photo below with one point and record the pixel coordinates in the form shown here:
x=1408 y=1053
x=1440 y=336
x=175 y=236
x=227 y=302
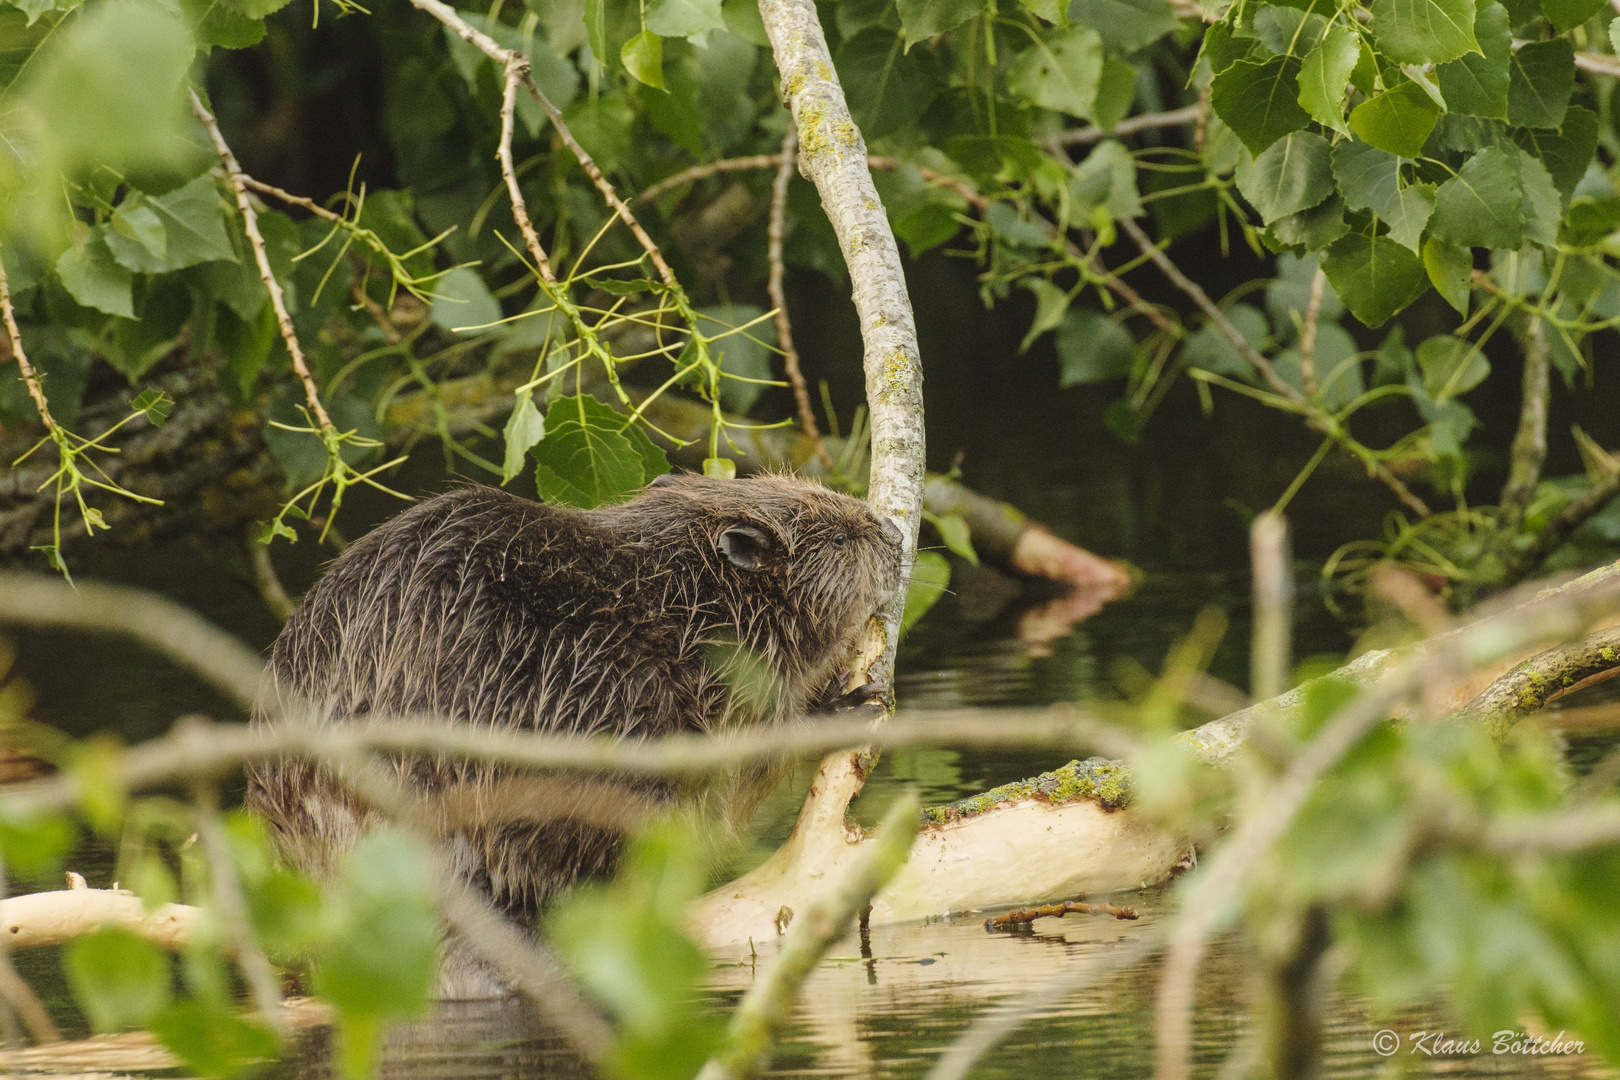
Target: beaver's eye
x=839 y=539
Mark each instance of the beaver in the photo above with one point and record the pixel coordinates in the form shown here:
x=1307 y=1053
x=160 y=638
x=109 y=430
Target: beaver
x=700 y=605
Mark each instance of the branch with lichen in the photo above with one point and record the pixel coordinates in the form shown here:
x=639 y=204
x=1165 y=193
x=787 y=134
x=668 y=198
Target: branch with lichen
x=1529 y=451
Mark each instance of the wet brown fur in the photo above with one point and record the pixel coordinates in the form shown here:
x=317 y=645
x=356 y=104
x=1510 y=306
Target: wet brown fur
x=491 y=610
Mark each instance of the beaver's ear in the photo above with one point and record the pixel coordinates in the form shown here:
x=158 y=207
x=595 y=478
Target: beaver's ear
x=746 y=547
x=663 y=480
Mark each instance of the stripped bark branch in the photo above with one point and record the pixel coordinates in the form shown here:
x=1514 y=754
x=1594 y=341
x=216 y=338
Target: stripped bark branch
x=14 y=338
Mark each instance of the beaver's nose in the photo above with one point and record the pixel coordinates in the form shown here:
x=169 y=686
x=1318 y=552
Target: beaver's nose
x=893 y=530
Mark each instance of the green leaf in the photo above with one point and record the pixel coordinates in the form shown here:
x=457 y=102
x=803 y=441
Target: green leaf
x=1116 y=92
x=1566 y=15
x=212 y=1040
x=1324 y=76
x=155 y=404
x=95 y=280
x=1410 y=214
x=214 y=24
x=1295 y=173
x=1209 y=350
x=924 y=18
x=1369 y=178
x=596 y=29
x=1451 y=366
x=1424 y=31
x=1125 y=25
x=34 y=844
x=524 y=428
x=1397 y=120
x=930 y=577
x=1312 y=229
x=1259 y=101
x=683 y=18
x=1105 y=180
x=1451 y=270
x=888 y=89
x=1541 y=77
x=746 y=354
x=1566 y=152
x=194 y=224
x=119 y=979
x=257 y=9
x=1052 y=11
x=1374 y=276
x=135 y=236
x=1288 y=31
x=1051 y=303
x=643 y=57
x=1480 y=206
x=1060 y=72
x=1093 y=348
x=1478 y=85
x=953 y=529
x=1542 y=207
x=591 y=455
x=462 y=303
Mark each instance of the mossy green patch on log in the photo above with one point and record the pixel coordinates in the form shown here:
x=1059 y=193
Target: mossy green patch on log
x=1106 y=782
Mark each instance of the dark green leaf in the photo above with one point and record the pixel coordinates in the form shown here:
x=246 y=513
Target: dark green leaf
x=591 y=455
x=1293 y=174
x=194 y=224
x=1105 y=181
x=1451 y=366
x=94 y=279
x=1397 y=120
x=1312 y=229
x=135 y=236
x=1004 y=221
x=1324 y=76
x=119 y=979
x=1259 y=101
x=1125 y=25
x=34 y=845
x=1052 y=11
x=683 y=18
x=1222 y=46
x=1369 y=178
x=1450 y=269
x=1424 y=31
x=1542 y=207
x=643 y=57
x=1210 y=350
x=1051 y=303
x=1478 y=85
x=1116 y=92
x=1566 y=15
x=1339 y=379
x=925 y=18
x=930 y=577
x=1288 y=31
x=1481 y=205
x=1374 y=276
x=257 y=9
x=888 y=89
x=1060 y=72
x=1288 y=297
x=1567 y=152
x=1093 y=348
x=1411 y=212
x=1470 y=133
x=213 y=1041
x=1541 y=77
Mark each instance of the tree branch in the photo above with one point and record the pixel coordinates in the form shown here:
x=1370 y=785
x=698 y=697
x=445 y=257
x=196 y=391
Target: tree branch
x=250 y=223
x=14 y=337
x=1191 y=114
x=1544 y=678
x=1530 y=441
x=784 y=325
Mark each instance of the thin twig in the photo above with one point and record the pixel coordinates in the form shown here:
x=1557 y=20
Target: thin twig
x=784 y=326
x=250 y=223
x=1025 y=916
x=517 y=72
x=233 y=912
x=768 y=1004
x=296 y=200
x=1224 y=874
x=14 y=336
x=1530 y=441
x=703 y=172
x=1307 y=333
x=264 y=577
x=1270 y=646
x=1129 y=126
